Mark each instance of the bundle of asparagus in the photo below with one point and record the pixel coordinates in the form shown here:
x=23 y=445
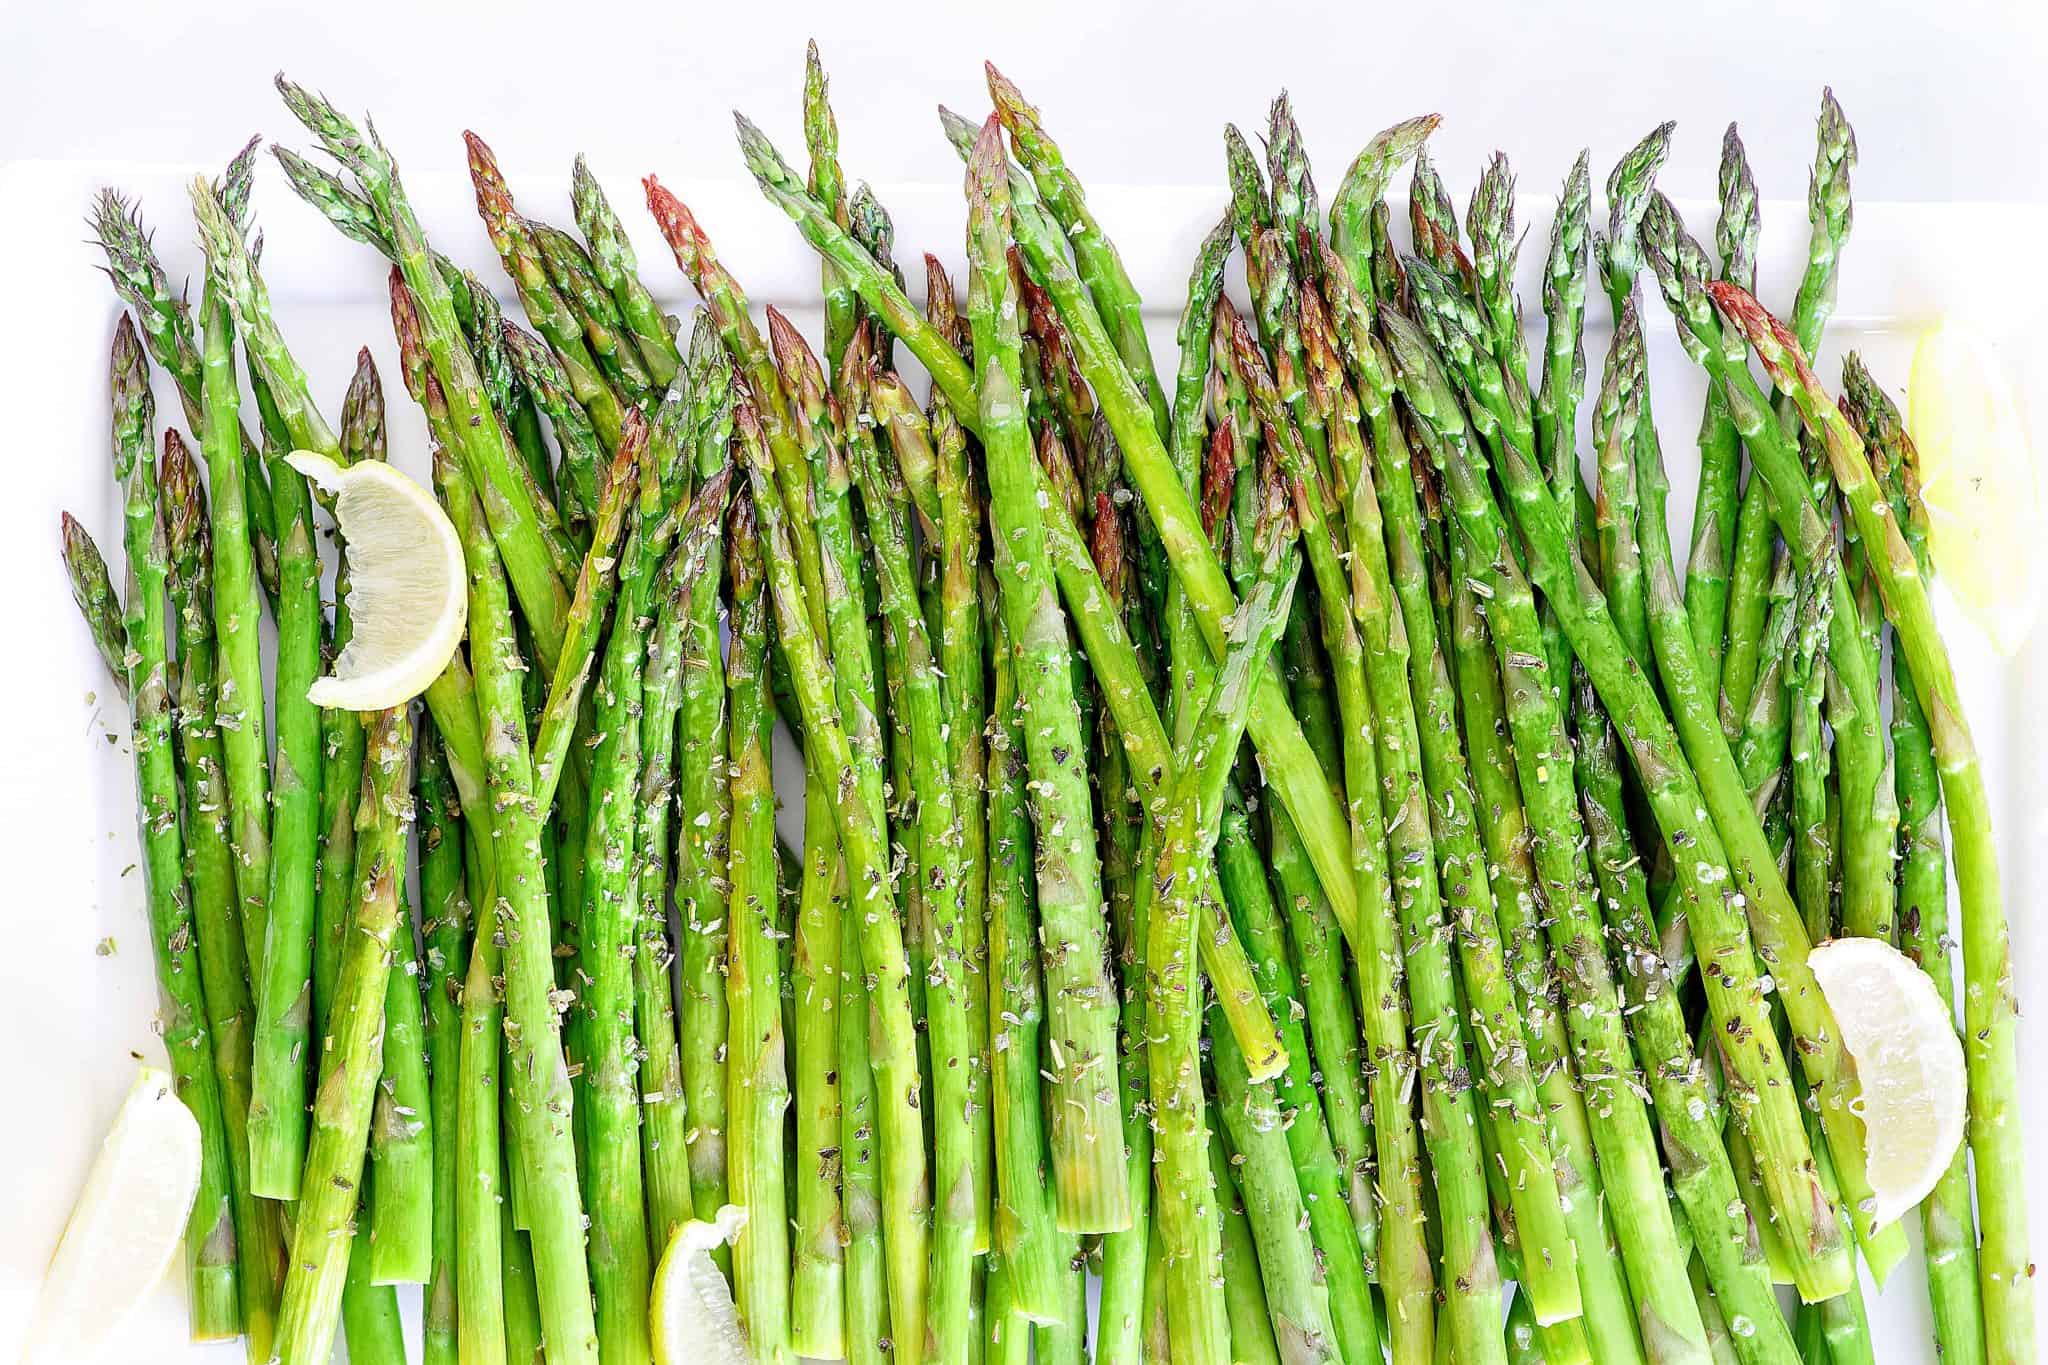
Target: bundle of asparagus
x=1333 y=961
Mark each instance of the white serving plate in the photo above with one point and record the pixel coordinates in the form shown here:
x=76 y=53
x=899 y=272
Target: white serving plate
x=72 y=1019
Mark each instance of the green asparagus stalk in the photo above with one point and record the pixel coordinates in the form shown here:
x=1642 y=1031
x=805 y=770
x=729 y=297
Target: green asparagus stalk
x=1187 y=1217
x=1564 y=359
x=210 y=1246
x=758 y=1085
x=960 y=1171
x=550 y=314
x=1026 y=1233
x=583 y=459
x=169 y=336
x=482 y=440
x=1864 y=772
x=611 y=256
x=1715 y=508
x=209 y=868
x=92 y=589
x=1519 y=899
x=827 y=185
x=1294 y=1104
x=444 y=933
x=362 y=437
x=1387 y=545
x=539 y=1095
x=620 y=1270
x=963 y=669
x=1152 y=471
x=1724 y=1241
x=1087 y=1157
x=284 y=984
x=1947 y=1220
x=1678 y=798
x=1297 y=1302
x=1095 y=256
x=321 y=1247
x=577 y=283
x=1628 y=1158
x=1244 y=1298
x=402 y=1136
x=1988 y=1007
x=891 y=1041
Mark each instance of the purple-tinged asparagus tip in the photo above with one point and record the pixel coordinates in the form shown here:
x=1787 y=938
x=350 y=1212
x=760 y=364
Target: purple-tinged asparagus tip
x=1773 y=341
x=678 y=227
x=1219 y=476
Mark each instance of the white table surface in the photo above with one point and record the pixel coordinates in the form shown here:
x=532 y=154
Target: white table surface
x=1946 y=99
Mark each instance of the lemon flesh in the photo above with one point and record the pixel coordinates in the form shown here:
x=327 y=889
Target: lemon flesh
x=408 y=596
x=691 y=1314
x=1909 y=1063
x=1978 y=482
x=126 y=1227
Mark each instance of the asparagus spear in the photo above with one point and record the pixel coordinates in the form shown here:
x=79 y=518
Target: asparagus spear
x=1449 y=1120
x=758 y=1085
x=683 y=678
x=963 y=670
x=960 y=1170
x=1272 y=725
x=1261 y=1168
x=1187 y=1218
x=1621 y=1131
x=239 y=708
x=1988 y=1007
x=539 y=1097
x=92 y=589
x=1293 y=1105
x=481 y=437
x=583 y=459
x=1947 y=1220
x=1520 y=898
x=612 y=258
x=1713 y=786
x=285 y=981
x=1715 y=508
x=321 y=1259
x=444 y=931
x=1675 y=258
x=167 y=333
x=1087 y=1157
x=620 y=1271
x=210 y=1248
x=1724 y=1241
x=1026 y=1234
x=576 y=281
x=209 y=865
x=828 y=186
x=1564 y=359
x=892 y=1045
x=545 y=308
x=1095 y=256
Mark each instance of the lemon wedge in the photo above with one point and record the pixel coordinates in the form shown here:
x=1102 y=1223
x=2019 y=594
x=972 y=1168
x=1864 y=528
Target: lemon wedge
x=1909 y=1062
x=408 y=593
x=125 y=1228
x=691 y=1313
x=1978 y=482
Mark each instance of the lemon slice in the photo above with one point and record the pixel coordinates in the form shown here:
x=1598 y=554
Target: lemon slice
x=408 y=594
x=691 y=1312
x=126 y=1226
x=1908 y=1061
x=1978 y=482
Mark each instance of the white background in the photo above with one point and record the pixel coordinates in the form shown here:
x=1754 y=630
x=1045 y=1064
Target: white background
x=1947 y=101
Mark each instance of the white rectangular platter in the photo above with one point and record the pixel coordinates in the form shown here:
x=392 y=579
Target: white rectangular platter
x=74 y=1015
